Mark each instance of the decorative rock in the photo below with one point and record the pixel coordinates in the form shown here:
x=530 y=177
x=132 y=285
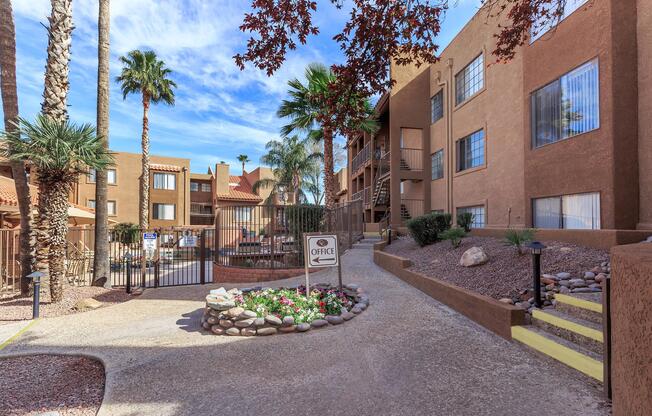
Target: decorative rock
x=273 y=320
x=258 y=322
x=266 y=331
x=563 y=276
x=600 y=277
x=217 y=330
x=206 y=326
x=595 y=286
x=247 y=315
x=347 y=316
x=577 y=283
x=474 y=256
x=212 y=320
x=364 y=299
x=235 y=312
x=318 y=323
x=582 y=290
x=288 y=320
x=508 y=301
x=589 y=275
x=232 y=331
x=523 y=305
x=287 y=329
x=550 y=277
x=550 y=287
x=213 y=312
x=221 y=306
x=234 y=292
x=225 y=323
x=564 y=283
x=564 y=290
x=248 y=332
x=356 y=310
x=87 y=304
x=360 y=306
x=547 y=281
x=303 y=327
x=244 y=323
x=334 y=319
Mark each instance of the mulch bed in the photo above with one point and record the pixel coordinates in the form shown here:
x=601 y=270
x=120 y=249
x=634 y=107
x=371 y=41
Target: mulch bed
x=31 y=385
x=20 y=308
x=506 y=274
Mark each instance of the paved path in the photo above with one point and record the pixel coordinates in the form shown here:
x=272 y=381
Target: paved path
x=406 y=355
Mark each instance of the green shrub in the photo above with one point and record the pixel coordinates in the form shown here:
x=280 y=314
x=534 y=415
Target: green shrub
x=423 y=229
x=464 y=220
x=126 y=233
x=454 y=235
x=443 y=221
x=518 y=238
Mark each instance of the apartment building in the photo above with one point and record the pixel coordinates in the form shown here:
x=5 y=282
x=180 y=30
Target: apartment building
x=556 y=138
x=169 y=195
x=341 y=185
x=202 y=211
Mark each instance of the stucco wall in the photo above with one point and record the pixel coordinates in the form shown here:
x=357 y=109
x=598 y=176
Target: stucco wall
x=644 y=43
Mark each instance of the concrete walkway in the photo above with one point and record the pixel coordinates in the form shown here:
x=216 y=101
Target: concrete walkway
x=406 y=355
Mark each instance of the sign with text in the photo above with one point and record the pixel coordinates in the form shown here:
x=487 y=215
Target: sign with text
x=149 y=245
x=321 y=250
x=188 y=241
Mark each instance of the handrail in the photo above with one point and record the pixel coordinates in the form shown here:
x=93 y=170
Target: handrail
x=411 y=159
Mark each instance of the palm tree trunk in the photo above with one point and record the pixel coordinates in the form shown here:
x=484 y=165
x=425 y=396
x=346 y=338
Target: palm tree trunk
x=42 y=230
x=10 y=111
x=56 y=196
x=329 y=177
x=144 y=179
x=101 y=274
x=55 y=93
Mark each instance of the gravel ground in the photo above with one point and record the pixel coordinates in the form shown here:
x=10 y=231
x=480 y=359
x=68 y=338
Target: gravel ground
x=20 y=308
x=70 y=385
x=506 y=274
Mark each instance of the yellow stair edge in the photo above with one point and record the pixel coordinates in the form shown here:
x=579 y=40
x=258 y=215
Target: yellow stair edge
x=580 y=303
x=580 y=362
x=594 y=334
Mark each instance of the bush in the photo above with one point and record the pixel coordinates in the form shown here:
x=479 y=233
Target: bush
x=464 y=220
x=423 y=229
x=443 y=221
x=126 y=233
x=454 y=235
x=518 y=238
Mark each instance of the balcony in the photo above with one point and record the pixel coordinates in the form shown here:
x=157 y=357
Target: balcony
x=361 y=158
x=411 y=208
x=411 y=159
x=357 y=195
x=201 y=210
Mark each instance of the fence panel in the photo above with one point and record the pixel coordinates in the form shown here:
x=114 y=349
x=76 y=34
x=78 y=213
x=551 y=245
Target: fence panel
x=9 y=263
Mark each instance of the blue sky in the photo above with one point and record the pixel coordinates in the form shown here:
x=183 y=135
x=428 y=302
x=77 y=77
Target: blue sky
x=220 y=111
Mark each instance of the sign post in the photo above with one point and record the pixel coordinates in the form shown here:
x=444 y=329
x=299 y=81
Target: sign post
x=149 y=248
x=320 y=250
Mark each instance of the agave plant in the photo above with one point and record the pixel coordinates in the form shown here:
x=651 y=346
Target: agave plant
x=60 y=152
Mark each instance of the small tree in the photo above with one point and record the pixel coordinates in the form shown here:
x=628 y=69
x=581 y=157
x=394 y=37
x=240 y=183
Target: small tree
x=518 y=238
x=465 y=220
x=243 y=159
x=126 y=233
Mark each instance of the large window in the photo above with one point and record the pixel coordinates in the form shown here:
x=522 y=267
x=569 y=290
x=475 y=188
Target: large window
x=205 y=187
x=470 y=151
x=470 y=80
x=437 y=162
x=110 y=206
x=110 y=176
x=194 y=186
x=579 y=211
x=165 y=181
x=478 y=215
x=437 y=106
x=163 y=211
x=242 y=213
x=543 y=25
x=566 y=107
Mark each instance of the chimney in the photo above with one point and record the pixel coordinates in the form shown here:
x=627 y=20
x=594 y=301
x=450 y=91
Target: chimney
x=222 y=178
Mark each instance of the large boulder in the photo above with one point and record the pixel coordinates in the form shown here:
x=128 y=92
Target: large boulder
x=85 y=304
x=474 y=256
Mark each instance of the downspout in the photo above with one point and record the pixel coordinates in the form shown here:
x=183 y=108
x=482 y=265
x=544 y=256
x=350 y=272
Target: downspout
x=186 y=197
x=449 y=139
x=445 y=85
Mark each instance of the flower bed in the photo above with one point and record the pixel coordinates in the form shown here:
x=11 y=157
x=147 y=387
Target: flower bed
x=266 y=311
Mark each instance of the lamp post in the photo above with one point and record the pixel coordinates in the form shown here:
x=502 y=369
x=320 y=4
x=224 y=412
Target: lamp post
x=536 y=248
x=36 y=279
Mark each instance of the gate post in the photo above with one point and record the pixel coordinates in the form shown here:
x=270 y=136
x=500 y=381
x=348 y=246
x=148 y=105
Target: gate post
x=202 y=257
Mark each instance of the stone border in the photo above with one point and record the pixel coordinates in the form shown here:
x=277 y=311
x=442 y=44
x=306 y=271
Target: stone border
x=224 y=318
x=495 y=316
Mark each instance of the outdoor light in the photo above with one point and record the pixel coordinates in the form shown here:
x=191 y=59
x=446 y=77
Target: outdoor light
x=36 y=279
x=127 y=258
x=536 y=248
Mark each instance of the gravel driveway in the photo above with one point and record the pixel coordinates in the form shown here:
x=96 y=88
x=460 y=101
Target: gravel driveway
x=406 y=355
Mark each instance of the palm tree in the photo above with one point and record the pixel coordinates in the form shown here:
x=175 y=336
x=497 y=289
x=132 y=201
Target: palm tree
x=101 y=276
x=144 y=73
x=290 y=160
x=243 y=159
x=10 y=111
x=55 y=93
x=60 y=151
x=309 y=111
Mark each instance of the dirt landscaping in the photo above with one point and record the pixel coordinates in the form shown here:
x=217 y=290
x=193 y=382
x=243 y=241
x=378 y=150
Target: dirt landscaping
x=36 y=384
x=20 y=308
x=506 y=274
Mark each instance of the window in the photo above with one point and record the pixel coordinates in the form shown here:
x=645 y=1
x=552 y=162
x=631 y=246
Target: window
x=242 y=213
x=90 y=203
x=579 y=211
x=111 y=207
x=205 y=187
x=110 y=176
x=470 y=80
x=437 y=106
x=566 y=107
x=470 y=151
x=437 y=162
x=478 y=215
x=163 y=211
x=194 y=187
x=165 y=181
x=542 y=26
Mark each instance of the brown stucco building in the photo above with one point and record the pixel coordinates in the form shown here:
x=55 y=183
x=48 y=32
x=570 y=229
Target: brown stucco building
x=556 y=138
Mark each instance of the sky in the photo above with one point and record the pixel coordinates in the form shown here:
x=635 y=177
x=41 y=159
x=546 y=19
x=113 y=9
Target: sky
x=220 y=111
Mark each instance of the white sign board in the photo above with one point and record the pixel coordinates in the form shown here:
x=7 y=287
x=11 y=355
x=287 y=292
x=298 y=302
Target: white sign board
x=149 y=242
x=188 y=241
x=321 y=251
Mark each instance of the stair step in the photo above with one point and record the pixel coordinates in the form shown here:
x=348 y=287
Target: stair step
x=580 y=331
x=561 y=350
x=580 y=305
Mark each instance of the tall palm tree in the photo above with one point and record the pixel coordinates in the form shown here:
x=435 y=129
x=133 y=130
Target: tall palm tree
x=61 y=151
x=101 y=273
x=243 y=159
x=144 y=73
x=309 y=111
x=10 y=111
x=290 y=160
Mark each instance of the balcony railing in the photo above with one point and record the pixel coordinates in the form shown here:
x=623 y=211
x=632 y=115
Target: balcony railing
x=358 y=195
x=367 y=195
x=361 y=158
x=411 y=159
x=199 y=209
x=411 y=208
x=383 y=165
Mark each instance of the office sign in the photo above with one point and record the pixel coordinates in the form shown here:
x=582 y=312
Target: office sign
x=321 y=250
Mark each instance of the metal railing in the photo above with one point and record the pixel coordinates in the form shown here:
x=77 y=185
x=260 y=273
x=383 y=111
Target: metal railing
x=9 y=262
x=367 y=195
x=361 y=158
x=411 y=159
x=383 y=165
x=411 y=208
x=357 y=195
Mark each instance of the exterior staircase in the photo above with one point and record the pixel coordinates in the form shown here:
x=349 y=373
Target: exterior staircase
x=404 y=165
x=405 y=213
x=381 y=192
x=570 y=332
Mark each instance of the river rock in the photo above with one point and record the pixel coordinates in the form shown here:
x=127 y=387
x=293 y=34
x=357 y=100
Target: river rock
x=235 y=312
x=247 y=332
x=563 y=276
x=273 y=320
x=303 y=327
x=244 y=323
x=356 y=310
x=212 y=320
x=247 y=315
x=266 y=331
x=347 y=316
x=288 y=320
x=217 y=330
x=287 y=329
x=221 y=306
x=334 y=319
x=232 y=331
x=258 y=322
x=474 y=256
x=318 y=323
x=226 y=323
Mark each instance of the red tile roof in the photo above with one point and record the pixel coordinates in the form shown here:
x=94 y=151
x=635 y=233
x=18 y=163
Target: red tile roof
x=8 y=192
x=239 y=190
x=164 y=168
